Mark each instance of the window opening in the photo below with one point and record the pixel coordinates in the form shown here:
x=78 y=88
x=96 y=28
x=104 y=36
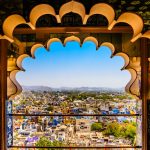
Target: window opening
x=74 y=97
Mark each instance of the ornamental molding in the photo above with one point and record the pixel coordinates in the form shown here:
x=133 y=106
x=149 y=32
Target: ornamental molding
x=130 y=18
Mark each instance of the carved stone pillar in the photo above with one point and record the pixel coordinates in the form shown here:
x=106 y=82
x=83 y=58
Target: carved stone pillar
x=144 y=94
x=3 y=92
x=149 y=79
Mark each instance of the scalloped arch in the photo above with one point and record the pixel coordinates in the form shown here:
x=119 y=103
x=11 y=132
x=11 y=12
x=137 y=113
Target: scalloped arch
x=125 y=57
x=20 y=59
x=35 y=14
x=10 y=23
x=93 y=39
x=50 y=41
x=12 y=87
x=13 y=79
x=109 y=45
x=128 y=87
x=72 y=38
x=33 y=49
x=74 y=7
x=102 y=9
x=135 y=21
x=133 y=78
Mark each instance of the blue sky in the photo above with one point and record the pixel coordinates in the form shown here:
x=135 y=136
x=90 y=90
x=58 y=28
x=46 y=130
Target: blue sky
x=74 y=66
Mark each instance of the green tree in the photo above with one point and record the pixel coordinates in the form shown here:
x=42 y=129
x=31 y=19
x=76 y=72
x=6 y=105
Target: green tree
x=97 y=126
x=63 y=104
x=130 y=132
x=126 y=121
x=23 y=102
x=46 y=142
x=50 y=108
x=126 y=130
x=113 y=128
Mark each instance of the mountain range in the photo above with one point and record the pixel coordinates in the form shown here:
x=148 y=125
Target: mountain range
x=46 y=88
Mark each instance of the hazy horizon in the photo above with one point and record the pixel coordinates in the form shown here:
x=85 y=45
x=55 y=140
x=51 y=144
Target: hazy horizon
x=70 y=86
x=74 y=66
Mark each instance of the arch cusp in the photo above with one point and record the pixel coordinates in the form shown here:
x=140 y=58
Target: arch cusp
x=112 y=25
x=136 y=37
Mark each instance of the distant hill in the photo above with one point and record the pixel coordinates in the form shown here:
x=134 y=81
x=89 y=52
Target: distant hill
x=46 y=88
x=36 y=88
x=102 y=89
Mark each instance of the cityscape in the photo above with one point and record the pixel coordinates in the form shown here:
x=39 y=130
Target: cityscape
x=75 y=103
x=79 y=128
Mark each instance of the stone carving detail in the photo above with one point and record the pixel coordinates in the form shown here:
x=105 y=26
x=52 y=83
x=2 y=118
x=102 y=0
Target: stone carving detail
x=132 y=19
x=135 y=63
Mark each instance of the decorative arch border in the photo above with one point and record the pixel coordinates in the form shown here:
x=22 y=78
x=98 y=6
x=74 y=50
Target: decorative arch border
x=16 y=88
x=132 y=19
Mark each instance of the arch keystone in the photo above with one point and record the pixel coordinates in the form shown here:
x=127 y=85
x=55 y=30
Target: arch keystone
x=74 y=7
x=72 y=38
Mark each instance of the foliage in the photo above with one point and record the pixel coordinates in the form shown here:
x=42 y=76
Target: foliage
x=97 y=126
x=50 y=108
x=125 y=129
x=113 y=128
x=134 y=124
x=130 y=132
x=23 y=102
x=46 y=142
x=126 y=121
x=63 y=104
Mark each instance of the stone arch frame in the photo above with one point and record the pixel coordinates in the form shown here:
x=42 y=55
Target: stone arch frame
x=137 y=34
x=131 y=87
x=78 y=8
x=132 y=19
